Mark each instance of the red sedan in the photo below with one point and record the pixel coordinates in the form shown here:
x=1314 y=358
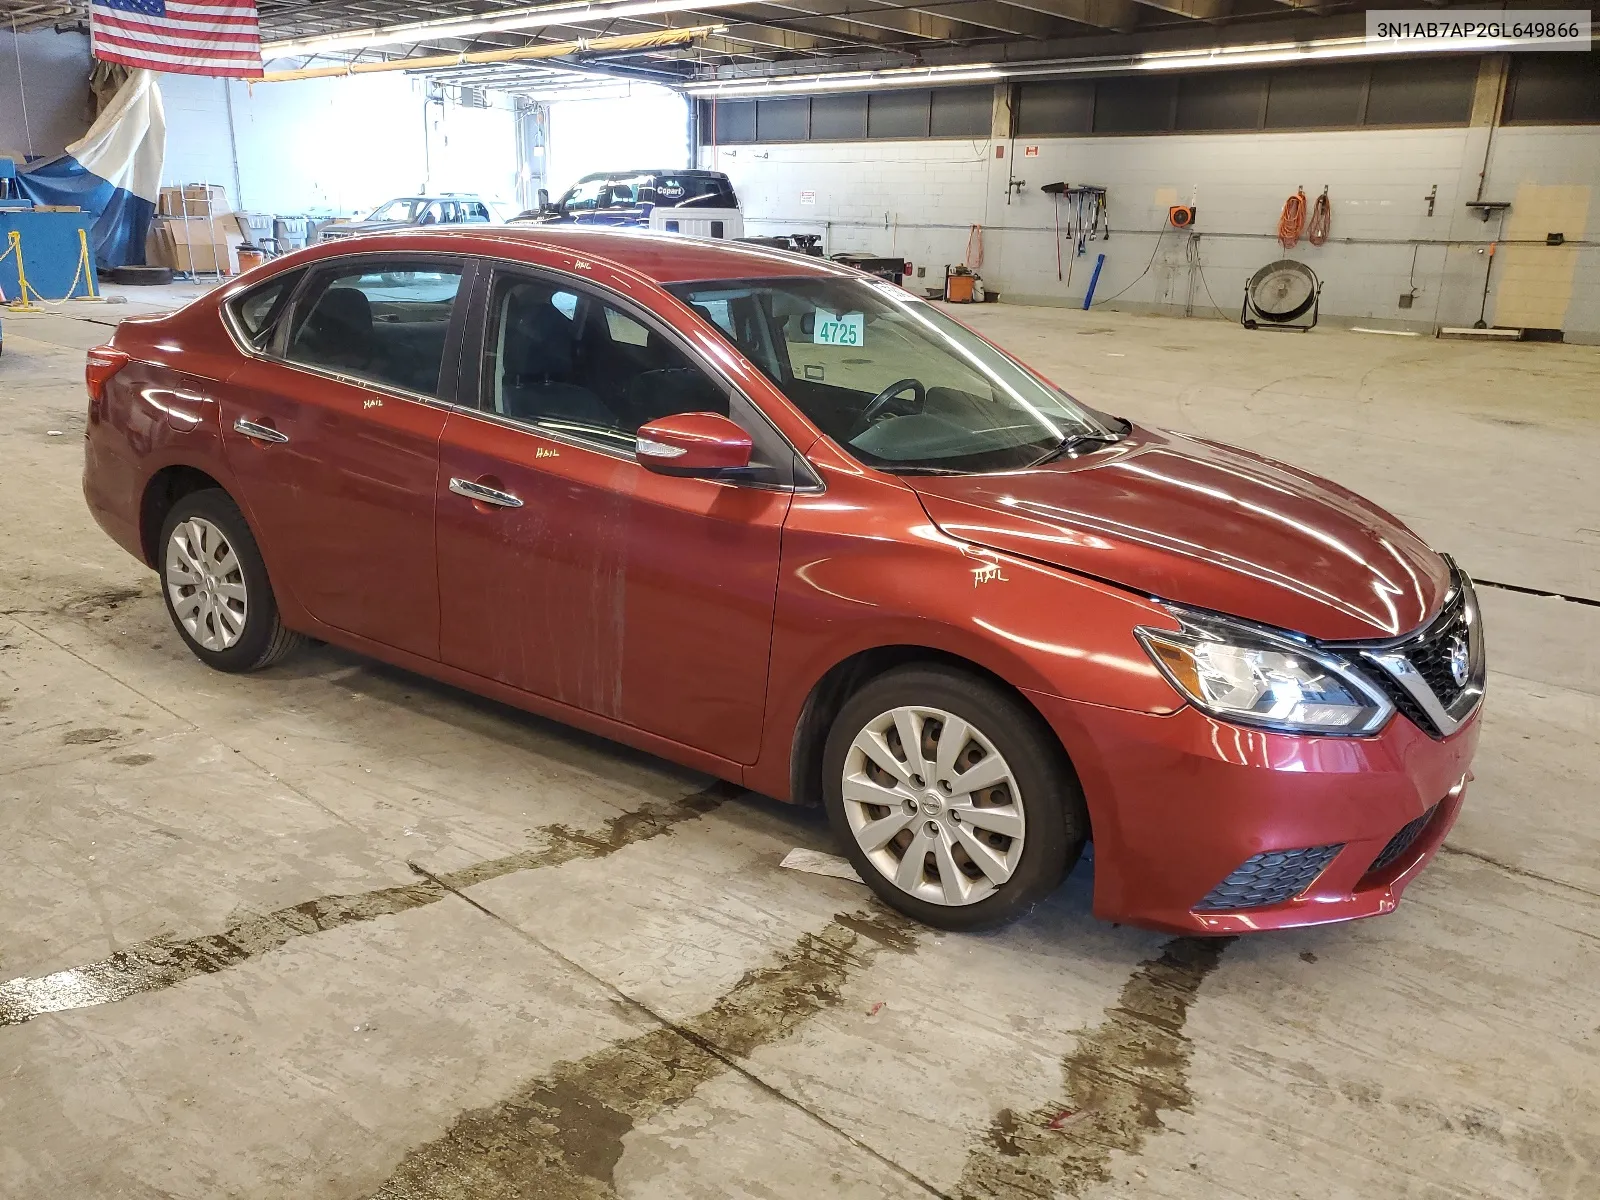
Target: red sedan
x=787 y=524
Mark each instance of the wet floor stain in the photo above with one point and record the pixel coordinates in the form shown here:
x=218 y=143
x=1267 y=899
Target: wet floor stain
x=559 y=1137
x=134 y=760
x=104 y=598
x=162 y=962
x=87 y=737
x=1120 y=1078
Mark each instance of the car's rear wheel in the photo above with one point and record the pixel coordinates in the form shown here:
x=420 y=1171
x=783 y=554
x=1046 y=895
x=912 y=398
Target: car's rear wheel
x=952 y=799
x=216 y=588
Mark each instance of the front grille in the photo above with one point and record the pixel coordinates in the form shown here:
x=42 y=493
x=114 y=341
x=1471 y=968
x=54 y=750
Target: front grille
x=1429 y=653
x=1401 y=842
x=1269 y=878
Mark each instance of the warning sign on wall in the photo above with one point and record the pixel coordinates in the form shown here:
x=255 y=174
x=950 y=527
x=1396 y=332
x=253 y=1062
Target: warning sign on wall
x=1030 y=152
x=808 y=197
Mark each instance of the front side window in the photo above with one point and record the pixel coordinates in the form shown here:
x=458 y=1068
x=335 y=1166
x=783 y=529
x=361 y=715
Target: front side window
x=573 y=363
x=584 y=197
x=386 y=324
x=892 y=379
x=396 y=210
x=629 y=190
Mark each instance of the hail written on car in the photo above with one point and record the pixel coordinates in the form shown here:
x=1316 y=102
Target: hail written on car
x=787 y=524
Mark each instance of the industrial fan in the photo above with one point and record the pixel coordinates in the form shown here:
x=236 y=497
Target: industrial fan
x=1282 y=295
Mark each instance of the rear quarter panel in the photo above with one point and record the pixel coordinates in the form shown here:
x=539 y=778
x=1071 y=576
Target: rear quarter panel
x=159 y=411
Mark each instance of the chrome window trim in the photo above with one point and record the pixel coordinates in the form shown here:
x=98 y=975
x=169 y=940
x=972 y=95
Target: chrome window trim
x=390 y=390
x=630 y=305
x=577 y=442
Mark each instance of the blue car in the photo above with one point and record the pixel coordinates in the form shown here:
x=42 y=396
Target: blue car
x=629 y=197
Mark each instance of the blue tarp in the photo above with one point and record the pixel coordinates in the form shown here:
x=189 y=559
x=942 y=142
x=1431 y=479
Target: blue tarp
x=121 y=219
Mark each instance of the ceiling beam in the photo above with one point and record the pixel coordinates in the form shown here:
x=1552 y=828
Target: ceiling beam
x=991 y=14
x=898 y=20
x=1199 y=10
x=844 y=31
x=1120 y=15
x=773 y=37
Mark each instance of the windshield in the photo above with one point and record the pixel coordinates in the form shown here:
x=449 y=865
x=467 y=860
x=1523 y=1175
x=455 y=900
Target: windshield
x=891 y=378
x=396 y=210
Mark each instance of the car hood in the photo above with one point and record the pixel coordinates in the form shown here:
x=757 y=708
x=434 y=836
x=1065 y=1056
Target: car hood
x=1206 y=525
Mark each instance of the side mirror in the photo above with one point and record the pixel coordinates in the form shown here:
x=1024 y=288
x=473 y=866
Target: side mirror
x=693 y=444
x=544 y=199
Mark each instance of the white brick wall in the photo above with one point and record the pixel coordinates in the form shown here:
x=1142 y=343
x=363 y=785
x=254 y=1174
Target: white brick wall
x=932 y=191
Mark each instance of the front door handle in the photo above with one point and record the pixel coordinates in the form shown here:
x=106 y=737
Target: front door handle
x=261 y=433
x=484 y=494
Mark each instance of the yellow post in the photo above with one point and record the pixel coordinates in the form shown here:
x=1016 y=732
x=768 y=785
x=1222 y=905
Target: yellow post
x=86 y=265
x=21 y=303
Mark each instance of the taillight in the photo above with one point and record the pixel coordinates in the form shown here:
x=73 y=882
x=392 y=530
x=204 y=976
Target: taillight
x=103 y=363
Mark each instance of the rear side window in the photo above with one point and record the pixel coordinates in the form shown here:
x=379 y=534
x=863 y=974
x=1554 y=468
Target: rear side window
x=386 y=324
x=674 y=191
x=258 y=310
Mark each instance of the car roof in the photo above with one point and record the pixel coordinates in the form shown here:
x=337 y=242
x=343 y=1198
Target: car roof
x=663 y=257
x=695 y=171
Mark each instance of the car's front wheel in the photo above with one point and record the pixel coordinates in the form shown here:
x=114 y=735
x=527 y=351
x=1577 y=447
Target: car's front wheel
x=216 y=588
x=953 y=801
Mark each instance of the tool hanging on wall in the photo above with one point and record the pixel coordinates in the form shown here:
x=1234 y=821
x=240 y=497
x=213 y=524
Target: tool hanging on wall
x=1293 y=220
x=1321 y=219
x=1088 y=218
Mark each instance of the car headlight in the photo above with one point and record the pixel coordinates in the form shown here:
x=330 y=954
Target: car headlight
x=1243 y=673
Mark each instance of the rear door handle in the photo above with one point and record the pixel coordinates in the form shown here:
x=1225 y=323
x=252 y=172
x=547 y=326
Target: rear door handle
x=261 y=433
x=484 y=494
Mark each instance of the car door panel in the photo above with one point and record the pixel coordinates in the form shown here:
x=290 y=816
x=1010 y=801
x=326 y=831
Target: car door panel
x=339 y=475
x=346 y=499
x=634 y=596
x=643 y=598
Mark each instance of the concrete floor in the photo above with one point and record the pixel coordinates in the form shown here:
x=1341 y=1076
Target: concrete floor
x=605 y=986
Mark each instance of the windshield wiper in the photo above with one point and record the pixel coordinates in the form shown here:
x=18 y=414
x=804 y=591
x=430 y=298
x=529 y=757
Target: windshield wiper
x=1074 y=442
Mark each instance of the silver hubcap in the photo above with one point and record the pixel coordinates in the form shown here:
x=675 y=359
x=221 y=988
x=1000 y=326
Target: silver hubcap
x=933 y=805
x=206 y=584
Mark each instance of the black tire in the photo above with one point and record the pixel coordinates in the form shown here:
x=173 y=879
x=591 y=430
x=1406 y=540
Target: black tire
x=263 y=640
x=1057 y=821
x=140 y=276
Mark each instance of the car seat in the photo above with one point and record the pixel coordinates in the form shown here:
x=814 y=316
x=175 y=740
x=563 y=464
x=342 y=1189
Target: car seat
x=536 y=366
x=338 y=331
x=672 y=390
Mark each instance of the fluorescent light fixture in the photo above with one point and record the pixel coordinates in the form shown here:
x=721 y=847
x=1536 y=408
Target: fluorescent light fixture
x=1155 y=60
x=843 y=81
x=503 y=21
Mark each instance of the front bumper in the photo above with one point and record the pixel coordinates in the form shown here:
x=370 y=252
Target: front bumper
x=1180 y=802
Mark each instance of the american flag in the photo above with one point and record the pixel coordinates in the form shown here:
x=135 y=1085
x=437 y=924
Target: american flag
x=190 y=37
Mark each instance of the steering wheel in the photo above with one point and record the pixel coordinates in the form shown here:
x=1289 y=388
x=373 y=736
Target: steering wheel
x=878 y=403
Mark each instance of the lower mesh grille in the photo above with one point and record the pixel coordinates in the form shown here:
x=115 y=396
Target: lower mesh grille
x=1400 y=842
x=1269 y=878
